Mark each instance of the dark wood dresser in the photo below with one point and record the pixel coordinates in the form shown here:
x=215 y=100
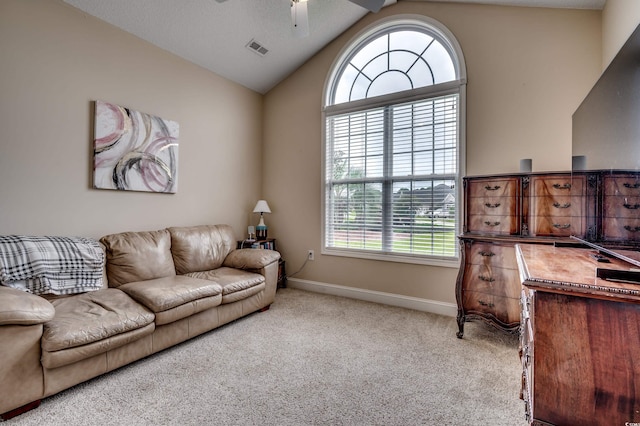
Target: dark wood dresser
x=500 y=212
x=522 y=271
x=534 y=208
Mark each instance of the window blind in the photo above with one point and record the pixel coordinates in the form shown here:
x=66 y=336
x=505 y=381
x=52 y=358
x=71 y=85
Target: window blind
x=391 y=174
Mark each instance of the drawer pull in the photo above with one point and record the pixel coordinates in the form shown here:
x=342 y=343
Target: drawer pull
x=487 y=279
x=562 y=206
x=631 y=185
x=631 y=206
x=565 y=186
x=632 y=228
x=483 y=303
x=491 y=223
x=562 y=226
x=492 y=206
x=492 y=188
x=487 y=253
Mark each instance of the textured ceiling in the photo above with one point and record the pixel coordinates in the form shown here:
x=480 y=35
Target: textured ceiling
x=214 y=34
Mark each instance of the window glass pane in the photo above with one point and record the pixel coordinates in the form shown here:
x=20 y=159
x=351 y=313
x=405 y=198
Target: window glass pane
x=444 y=161
x=401 y=60
x=423 y=138
x=423 y=222
x=357 y=213
x=402 y=141
x=376 y=66
x=409 y=40
x=424 y=113
x=402 y=164
x=441 y=64
x=345 y=82
x=360 y=87
x=389 y=82
x=375 y=144
x=421 y=75
x=375 y=165
x=423 y=161
x=357 y=146
x=371 y=50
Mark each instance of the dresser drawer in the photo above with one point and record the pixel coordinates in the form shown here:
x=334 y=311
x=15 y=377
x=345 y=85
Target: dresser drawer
x=625 y=185
x=557 y=226
x=497 y=225
x=504 y=309
x=621 y=229
x=492 y=280
x=501 y=256
x=563 y=185
x=621 y=206
x=484 y=188
x=492 y=206
x=557 y=205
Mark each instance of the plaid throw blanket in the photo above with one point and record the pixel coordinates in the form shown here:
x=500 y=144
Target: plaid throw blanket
x=55 y=265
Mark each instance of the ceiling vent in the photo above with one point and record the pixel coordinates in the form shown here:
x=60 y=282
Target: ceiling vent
x=257 y=48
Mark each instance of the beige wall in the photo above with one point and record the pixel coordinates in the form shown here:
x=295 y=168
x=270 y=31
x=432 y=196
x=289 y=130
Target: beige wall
x=619 y=19
x=528 y=69
x=55 y=62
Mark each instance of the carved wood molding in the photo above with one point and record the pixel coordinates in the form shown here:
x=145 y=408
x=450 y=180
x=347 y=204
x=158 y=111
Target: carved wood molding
x=569 y=286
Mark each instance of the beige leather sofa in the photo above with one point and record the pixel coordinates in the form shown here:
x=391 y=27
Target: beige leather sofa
x=164 y=287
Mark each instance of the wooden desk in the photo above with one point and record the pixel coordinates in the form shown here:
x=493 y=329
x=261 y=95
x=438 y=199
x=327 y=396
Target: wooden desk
x=580 y=339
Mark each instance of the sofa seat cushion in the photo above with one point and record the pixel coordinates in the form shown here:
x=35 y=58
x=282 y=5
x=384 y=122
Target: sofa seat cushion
x=174 y=298
x=236 y=283
x=96 y=322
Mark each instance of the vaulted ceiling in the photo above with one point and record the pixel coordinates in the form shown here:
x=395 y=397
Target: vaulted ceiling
x=215 y=34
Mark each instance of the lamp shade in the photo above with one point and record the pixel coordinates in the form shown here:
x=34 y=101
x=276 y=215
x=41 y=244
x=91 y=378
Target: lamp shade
x=262 y=207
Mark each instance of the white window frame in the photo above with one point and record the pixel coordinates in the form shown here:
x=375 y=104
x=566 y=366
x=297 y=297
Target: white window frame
x=458 y=86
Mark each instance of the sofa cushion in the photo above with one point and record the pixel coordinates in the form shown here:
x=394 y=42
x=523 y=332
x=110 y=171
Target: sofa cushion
x=161 y=294
x=20 y=308
x=138 y=256
x=200 y=248
x=251 y=258
x=92 y=317
x=236 y=284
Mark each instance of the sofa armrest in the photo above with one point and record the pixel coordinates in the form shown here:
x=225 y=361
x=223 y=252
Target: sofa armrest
x=18 y=307
x=250 y=258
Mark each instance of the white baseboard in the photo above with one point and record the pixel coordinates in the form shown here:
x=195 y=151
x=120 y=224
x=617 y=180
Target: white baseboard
x=408 y=302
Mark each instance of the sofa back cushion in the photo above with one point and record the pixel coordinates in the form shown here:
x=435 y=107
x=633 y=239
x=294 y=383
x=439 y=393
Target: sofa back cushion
x=201 y=248
x=138 y=256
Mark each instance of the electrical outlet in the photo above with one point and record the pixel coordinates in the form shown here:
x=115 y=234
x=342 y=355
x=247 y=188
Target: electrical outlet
x=310 y=255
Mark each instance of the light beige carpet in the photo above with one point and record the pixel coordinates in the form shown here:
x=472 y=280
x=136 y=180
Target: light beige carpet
x=312 y=359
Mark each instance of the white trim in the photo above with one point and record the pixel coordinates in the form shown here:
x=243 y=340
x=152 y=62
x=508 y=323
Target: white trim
x=408 y=302
x=447 y=262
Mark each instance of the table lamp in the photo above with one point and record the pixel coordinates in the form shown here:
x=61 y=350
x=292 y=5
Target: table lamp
x=261 y=230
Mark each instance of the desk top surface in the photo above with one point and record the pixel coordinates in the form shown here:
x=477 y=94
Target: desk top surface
x=570 y=269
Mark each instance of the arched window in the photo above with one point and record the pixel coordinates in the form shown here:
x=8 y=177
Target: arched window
x=394 y=108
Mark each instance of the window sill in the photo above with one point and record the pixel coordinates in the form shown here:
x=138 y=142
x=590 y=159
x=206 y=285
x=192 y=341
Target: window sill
x=398 y=258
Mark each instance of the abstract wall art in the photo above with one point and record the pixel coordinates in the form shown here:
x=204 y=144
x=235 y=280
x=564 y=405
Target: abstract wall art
x=134 y=151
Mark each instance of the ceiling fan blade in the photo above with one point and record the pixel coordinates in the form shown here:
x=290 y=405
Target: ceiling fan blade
x=300 y=18
x=372 y=5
